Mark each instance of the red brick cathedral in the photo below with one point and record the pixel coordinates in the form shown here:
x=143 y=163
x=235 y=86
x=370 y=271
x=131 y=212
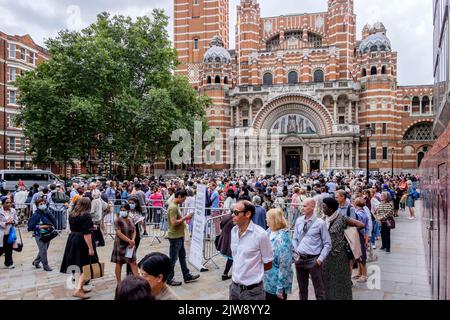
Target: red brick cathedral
x=309 y=82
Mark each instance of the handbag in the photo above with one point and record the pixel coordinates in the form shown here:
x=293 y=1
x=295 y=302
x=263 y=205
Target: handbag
x=47 y=234
x=93 y=270
x=12 y=237
x=390 y=223
x=18 y=246
x=353 y=241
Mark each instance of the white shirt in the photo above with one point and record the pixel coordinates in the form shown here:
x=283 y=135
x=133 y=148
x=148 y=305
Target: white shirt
x=250 y=253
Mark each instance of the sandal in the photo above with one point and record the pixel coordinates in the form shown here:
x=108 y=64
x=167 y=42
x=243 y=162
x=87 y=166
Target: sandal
x=80 y=294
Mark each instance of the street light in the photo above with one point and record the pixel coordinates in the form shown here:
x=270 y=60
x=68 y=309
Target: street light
x=110 y=141
x=367 y=131
x=393 y=150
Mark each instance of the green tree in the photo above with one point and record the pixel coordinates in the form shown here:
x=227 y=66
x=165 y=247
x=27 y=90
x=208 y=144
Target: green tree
x=116 y=76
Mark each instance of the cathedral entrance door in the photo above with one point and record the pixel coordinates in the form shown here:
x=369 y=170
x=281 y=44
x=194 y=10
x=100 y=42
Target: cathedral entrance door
x=314 y=165
x=292 y=161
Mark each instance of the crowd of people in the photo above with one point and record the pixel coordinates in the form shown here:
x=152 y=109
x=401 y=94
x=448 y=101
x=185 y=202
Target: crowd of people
x=321 y=226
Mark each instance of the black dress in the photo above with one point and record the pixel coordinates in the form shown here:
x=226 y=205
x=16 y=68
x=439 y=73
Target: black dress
x=77 y=251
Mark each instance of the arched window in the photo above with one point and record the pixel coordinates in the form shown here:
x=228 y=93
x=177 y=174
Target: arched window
x=208 y=80
x=364 y=72
x=293 y=77
x=318 y=76
x=420 y=157
x=415 y=105
x=426 y=105
x=196 y=44
x=217 y=80
x=225 y=80
x=373 y=49
x=373 y=71
x=267 y=79
x=420 y=132
x=383 y=70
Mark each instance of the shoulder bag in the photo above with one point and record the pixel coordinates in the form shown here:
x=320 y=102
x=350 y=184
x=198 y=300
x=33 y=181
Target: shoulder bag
x=390 y=223
x=18 y=246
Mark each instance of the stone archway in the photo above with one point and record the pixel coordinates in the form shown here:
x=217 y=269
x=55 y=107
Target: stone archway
x=300 y=104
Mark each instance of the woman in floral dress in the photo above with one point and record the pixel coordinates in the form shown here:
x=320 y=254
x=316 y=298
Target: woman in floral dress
x=278 y=280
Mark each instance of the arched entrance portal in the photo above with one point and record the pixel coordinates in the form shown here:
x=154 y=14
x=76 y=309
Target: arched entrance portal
x=292 y=161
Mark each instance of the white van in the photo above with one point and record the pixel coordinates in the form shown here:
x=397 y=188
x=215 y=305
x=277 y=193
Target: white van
x=29 y=177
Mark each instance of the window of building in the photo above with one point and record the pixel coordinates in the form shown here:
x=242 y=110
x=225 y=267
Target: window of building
x=293 y=77
x=208 y=80
x=12 y=143
x=383 y=70
x=12 y=164
x=217 y=80
x=23 y=54
x=13 y=120
x=267 y=79
x=342 y=120
x=420 y=132
x=12 y=50
x=373 y=71
x=196 y=2
x=225 y=80
x=373 y=153
x=374 y=128
x=12 y=73
x=32 y=57
x=12 y=97
x=318 y=76
x=384 y=128
x=385 y=153
x=245 y=123
x=406 y=108
x=195 y=44
x=22 y=144
x=364 y=72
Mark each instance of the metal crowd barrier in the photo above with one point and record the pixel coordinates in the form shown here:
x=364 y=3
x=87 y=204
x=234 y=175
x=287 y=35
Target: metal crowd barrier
x=57 y=210
x=155 y=219
x=209 y=247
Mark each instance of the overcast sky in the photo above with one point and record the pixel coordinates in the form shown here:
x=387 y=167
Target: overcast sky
x=409 y=22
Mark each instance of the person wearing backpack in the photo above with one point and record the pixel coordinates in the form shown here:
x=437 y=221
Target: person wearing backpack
x=43 y=225
x=411 y=197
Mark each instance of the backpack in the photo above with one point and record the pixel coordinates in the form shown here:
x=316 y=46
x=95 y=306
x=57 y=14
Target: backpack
x=60 y=197
x=415 y=194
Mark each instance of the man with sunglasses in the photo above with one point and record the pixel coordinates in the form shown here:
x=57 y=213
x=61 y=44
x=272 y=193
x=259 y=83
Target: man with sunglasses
x=252 y=254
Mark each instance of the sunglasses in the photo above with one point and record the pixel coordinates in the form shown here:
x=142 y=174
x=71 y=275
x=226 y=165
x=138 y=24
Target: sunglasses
x=236 y=213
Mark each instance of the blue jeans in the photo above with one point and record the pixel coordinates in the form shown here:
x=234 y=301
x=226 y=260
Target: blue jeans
x=177 y=251
x=375 y=232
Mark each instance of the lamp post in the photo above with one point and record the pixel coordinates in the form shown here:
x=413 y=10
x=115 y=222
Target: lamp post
x=367 y=131
x=110 y=141
x=393 y=150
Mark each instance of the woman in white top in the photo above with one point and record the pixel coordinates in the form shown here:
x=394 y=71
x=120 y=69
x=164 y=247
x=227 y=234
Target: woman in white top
x=8 y=218
x=230 y=201
x=189 y=209
x=98 y=206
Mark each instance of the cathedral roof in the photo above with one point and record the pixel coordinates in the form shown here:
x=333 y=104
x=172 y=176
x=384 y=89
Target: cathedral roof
x=378 y=40
x=217 y=53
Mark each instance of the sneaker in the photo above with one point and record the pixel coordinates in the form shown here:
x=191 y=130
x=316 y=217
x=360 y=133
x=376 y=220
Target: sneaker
x=174 y=283
x=191 y=278
x=145 y=233
x=374 y=246
x=36 y=265
x=10 y=267
x=411 y=218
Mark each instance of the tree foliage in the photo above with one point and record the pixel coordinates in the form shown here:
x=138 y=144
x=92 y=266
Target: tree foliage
x=116 y=76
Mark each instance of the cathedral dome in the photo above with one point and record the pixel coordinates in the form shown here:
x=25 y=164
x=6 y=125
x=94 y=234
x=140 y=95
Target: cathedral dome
x=375 y=42
x=217 y=53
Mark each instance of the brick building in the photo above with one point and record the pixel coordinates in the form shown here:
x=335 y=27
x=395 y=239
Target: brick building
x=18 y=54
x=307 y=80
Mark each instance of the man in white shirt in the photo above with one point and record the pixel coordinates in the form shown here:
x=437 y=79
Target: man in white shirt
x=312 y=244
x=252 y=254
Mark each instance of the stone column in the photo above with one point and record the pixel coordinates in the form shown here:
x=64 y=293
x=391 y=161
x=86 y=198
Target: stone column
x=232 y=115
x=356 y=113
x=343 y=155
x=250 y=116
x=357 y=156
x=350 y=112
x=351 y=156
x=329 y=157
x=238 y=118
x=335 y=112
x=335 y=158
x=421 y=104
x=323 y=156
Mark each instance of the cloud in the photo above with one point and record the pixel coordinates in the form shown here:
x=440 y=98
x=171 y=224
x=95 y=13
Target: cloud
x=409 y=22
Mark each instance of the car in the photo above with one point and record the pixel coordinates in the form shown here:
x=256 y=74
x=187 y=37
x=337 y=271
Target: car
x=97 y=178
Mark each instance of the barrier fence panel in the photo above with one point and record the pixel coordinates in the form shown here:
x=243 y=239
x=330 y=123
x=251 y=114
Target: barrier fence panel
x=57 y=210
x=212 y=230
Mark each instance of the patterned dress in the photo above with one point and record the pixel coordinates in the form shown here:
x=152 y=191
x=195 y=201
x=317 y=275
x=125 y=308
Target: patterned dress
x=337 y=277
x=279 y=278
x=127 y=227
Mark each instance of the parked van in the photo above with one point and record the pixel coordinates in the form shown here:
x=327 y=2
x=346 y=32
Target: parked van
x=10 y=178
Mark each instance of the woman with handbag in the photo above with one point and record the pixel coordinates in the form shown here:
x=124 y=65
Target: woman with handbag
x=98 y=206
x=337 y=274
x=42 y=223
x=80 y=248
x=385 y=215
x=8 y=218
x=411 y=196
